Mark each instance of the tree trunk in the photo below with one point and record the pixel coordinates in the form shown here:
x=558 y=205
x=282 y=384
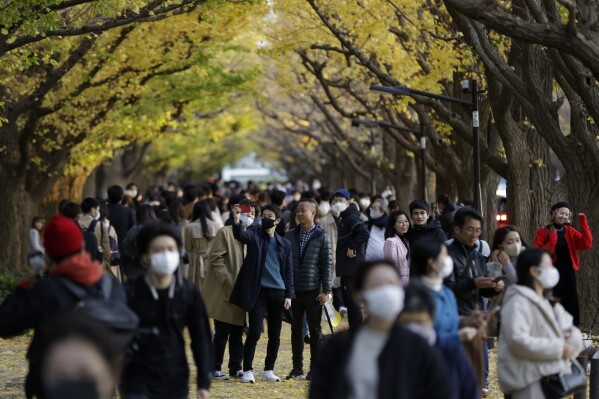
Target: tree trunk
x=19 y=208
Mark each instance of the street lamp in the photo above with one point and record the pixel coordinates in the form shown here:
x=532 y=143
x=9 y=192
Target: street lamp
x=468 y=86
x=419 y=136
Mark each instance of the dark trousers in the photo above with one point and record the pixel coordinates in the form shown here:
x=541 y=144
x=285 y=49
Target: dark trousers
x=354 y=313
x=271 y=301
x=224 y=332
x=338 y=298
x=305 y=304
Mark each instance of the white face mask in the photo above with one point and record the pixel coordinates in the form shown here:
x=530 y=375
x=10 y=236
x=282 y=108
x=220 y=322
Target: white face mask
x=246 y=220
x=548 y=277
x=364 y=203
x=97 y=217
x=339 y=207
x=513 y=249
x=374 y=214
x=426 y=332
x=324 y=208
x=384 y=302
x=447 y=267
x=164 y=263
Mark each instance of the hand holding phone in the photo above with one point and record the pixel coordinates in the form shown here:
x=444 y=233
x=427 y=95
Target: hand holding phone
x=245 y=208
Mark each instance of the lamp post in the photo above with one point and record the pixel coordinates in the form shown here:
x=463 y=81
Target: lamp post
x=421 y=152
x=468 y=86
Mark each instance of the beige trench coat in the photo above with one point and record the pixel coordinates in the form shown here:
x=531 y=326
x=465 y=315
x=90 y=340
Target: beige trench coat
x=197 y=244
x=224 y=262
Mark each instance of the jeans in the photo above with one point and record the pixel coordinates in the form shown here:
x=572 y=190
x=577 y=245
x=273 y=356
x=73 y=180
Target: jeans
x=224 y=332
x=305 y=304
x=354 y=313
x=271 y=301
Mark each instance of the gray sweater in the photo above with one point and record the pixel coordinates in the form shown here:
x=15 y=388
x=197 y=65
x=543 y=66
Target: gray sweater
x=313 y=270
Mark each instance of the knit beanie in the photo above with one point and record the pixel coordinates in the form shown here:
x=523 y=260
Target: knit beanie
x=342 y=193
x=559 y=205
x=62 y=237
x=419 y=204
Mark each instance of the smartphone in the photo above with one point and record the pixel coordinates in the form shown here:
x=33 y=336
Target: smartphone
x=245 y=208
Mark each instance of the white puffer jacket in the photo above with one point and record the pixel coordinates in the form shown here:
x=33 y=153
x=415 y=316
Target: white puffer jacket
x=531 y=341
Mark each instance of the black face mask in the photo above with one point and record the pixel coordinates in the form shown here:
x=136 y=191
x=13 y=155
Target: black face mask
x=73 y=389
x=267 y=223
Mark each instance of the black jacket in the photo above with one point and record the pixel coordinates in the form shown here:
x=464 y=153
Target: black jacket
x=313 y=270
x=122 y=219
x=408 y=369
x=158 y=367
x=249 y=280
x=30 y=308
x=432 y=230
x=467 y=265
x=446 y=220
x=353 y=234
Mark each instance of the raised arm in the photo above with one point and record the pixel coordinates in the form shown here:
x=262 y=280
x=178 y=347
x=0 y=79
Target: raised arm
x=583 y=239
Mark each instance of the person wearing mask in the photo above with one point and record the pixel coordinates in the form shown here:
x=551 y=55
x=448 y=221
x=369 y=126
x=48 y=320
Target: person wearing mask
x=198 y=238
x=145 y=215
x=72 y=210
x=418 y=315
x=36 y=302
x=563 y=243
x=80 y=359
x=379 y=359
x=538 y=337
x=312 y=257
x=507 y=245
x=264 y=284
x=422 y=227
x=35 y=236
x=113 y=239
x=91 y=217
x=122 y=219
x=469 y=280
x=165 y=303
x=396 y=247
x=328 y=223
x=377 y=222
x=352 y=237
x=225 y=258
x=364 y=202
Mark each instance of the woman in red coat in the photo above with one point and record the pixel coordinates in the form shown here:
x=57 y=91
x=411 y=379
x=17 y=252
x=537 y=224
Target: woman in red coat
x=562 y=242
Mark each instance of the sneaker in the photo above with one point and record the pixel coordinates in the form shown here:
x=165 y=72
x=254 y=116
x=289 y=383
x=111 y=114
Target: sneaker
x=248 y=377
x=485 y=390
x=236 y=374
x=219 y=375
x=295 y=374
x=306 y=339
x=309 y=376
x=343 y=311
x=270 y=376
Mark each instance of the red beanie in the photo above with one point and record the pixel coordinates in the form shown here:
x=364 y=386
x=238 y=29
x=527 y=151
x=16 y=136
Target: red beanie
x=62 y=237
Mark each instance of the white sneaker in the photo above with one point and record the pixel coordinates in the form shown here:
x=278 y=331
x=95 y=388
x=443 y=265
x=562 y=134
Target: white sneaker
x=248 y=377
x=270 y=376
x=219 y=375
x=342 y=311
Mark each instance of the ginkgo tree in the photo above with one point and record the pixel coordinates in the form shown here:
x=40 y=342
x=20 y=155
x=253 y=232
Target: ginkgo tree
x=92 y=94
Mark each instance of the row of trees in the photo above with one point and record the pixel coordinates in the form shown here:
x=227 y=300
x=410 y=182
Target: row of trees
x=83 y=82
x=535 y=60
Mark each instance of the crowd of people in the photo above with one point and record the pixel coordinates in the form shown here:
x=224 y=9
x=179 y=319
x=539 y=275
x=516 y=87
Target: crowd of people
x=115 y=281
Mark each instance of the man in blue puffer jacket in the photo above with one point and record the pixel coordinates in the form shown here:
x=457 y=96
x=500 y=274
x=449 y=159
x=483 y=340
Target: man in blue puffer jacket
x=312 y=259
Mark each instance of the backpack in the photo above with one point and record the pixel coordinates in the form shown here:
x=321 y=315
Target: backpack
x=115 y=315
x=91 y=241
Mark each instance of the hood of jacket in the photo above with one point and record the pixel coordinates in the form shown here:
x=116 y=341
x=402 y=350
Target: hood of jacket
x=80 y=268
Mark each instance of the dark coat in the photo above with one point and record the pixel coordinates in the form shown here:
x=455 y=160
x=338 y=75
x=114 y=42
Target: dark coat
x=461 y=374
x=122 y=219
x=353 y=234
x=248 y=283
x=158 y=367
x=466 y=267
x=313 y=270
x=446 y=220
x=432 y=230
x=408 y=368
x=31 y=307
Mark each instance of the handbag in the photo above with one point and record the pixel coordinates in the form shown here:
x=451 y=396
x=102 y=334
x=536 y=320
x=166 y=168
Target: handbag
x=324 y=338
x=557 y=386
